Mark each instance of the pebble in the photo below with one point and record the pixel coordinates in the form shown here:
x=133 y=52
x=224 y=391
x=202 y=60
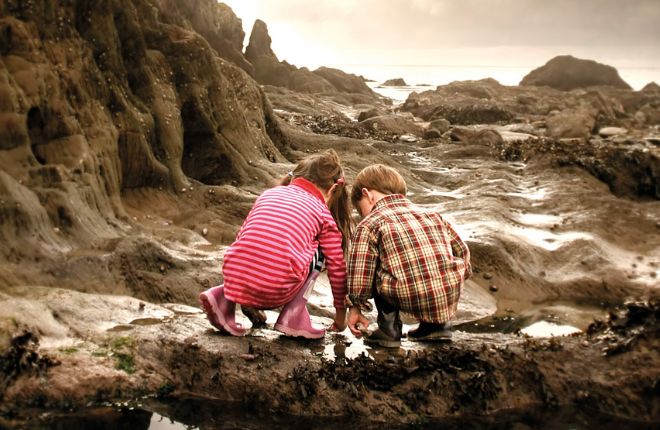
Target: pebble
x=162 y=267
x=583 y=395
x=205 y=231
x=487 y=275
x=493 y=288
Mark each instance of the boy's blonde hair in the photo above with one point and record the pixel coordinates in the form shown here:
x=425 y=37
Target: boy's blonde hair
x=380 y=178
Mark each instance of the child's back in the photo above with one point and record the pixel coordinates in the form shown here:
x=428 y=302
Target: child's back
x=272 y=252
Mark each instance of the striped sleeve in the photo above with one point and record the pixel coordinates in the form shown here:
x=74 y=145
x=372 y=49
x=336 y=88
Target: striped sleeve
x=330 y=242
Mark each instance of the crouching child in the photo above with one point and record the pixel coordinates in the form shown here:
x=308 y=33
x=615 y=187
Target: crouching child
x=406 y=257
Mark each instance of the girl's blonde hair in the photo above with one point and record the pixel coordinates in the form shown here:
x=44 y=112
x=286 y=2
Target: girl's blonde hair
x=324 y=170
x=380 y=178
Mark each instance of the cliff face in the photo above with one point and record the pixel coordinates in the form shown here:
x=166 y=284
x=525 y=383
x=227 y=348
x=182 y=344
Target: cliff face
x=214 y=21
x=101 y=98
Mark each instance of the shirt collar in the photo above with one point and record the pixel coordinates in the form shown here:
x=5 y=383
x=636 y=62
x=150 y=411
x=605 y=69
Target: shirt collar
x=309 y=187
x=391 y=200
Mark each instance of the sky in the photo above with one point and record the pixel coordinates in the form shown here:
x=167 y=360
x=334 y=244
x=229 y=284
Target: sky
x=443 y=40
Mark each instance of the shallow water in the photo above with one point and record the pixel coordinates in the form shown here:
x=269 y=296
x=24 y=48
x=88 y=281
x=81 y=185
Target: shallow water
x=204 y=414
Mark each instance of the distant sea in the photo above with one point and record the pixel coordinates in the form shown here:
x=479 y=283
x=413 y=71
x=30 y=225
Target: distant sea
x=425 y=77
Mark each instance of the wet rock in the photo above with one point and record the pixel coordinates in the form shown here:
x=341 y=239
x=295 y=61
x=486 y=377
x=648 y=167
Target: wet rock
x=432 y=133
x=441 y=124
x=486 y=137
x=531 y=129
x=627 y=326
x=393 y=124
x=565 y=72
x=19 y=355
x=408 y=138
x=648 y=114
x=571 y=124
x=631 y=172
x=369 y=114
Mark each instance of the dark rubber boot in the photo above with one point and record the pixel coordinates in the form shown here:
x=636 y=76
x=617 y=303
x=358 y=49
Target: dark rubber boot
x=427 y=331
x=388 y=334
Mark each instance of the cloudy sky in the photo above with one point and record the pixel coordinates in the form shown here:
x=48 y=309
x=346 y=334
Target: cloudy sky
x=483 y=35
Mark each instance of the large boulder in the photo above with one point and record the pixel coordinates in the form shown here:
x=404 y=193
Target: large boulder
x=651 y=87
x=370 y=113
x=396 y=82
x=566 y=72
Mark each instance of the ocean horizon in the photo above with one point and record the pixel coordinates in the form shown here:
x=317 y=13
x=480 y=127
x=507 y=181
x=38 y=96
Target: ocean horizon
x=425 y=75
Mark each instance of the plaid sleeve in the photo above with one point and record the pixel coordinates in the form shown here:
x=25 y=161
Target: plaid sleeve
x=459 y=249
x=362 y=262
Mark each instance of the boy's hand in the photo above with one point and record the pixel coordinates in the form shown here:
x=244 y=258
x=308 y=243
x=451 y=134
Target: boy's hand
x=357 y=323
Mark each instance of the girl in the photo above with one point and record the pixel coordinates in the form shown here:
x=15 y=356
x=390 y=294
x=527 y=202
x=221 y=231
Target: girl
x=290 y=232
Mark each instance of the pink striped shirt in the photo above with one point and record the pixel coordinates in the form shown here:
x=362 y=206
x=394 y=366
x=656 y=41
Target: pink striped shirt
x=269 y=261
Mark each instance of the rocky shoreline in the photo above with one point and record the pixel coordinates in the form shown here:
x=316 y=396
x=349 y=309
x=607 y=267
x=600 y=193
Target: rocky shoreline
x=177 y=355
x=126 y=169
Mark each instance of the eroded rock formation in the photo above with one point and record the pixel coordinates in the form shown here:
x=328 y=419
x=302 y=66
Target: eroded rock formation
x=101 y=99
x=271 y=71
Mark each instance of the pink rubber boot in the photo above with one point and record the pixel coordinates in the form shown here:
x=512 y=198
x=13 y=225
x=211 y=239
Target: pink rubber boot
x=220 y=311
x=294 y=318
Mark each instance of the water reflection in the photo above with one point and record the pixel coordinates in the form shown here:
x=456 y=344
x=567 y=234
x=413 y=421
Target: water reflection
x=191 y=413
x=549 y=329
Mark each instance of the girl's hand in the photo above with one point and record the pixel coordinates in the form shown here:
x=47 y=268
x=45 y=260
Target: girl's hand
x=340 y=321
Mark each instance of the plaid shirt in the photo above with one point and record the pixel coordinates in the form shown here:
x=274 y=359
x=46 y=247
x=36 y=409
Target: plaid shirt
x=412 y=257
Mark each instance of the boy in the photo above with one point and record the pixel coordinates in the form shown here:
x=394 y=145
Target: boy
x=406 y=258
